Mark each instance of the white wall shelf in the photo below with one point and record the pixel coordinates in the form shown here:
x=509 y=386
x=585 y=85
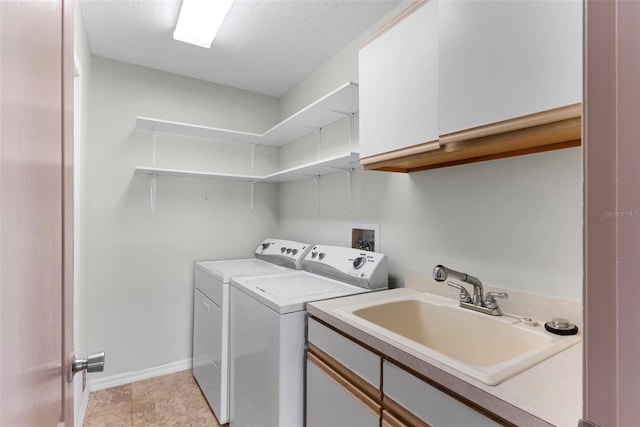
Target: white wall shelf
x=324 y=111
x=196 y=174
x=346 y=163
x=342 y=162
x=338 y=104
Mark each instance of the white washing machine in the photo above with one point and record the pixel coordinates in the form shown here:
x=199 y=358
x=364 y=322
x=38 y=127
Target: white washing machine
x=211 y=313
x=268 y=330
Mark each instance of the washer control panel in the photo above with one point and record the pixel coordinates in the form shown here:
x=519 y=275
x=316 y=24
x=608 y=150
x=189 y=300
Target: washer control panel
x=283 y=252
x=362 y=268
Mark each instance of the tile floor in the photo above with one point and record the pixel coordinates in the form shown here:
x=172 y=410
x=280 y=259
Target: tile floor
x=170 y=400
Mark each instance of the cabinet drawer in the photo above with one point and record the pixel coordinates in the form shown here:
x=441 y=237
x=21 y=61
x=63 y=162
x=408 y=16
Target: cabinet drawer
x=333 y=401
x=209 y=286
x=353 y=356
x=427 y=403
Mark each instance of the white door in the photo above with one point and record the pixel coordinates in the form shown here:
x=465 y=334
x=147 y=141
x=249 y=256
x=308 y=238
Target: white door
x=36 y=193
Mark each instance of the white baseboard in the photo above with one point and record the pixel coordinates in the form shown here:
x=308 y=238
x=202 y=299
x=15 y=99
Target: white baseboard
x=130 y=377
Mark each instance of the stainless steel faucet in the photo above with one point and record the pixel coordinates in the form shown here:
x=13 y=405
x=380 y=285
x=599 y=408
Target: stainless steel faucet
x=479 y=302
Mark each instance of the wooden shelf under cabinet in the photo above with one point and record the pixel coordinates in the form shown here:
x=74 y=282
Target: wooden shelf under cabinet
x=548 y=130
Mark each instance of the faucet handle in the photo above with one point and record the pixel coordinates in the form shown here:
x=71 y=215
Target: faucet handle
x=464 y=295
x=490 y=299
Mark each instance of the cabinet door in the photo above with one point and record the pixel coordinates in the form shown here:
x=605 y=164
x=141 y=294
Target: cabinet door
x=504 y=59
x=354 y=357
x=398 y=74
x=427 y=403
x=333 y=401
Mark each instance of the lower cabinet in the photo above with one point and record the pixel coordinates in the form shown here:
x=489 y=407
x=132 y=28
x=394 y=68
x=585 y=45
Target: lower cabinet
x=418 y=403
x=351 y=386
x=333 y=401
x=343 y=381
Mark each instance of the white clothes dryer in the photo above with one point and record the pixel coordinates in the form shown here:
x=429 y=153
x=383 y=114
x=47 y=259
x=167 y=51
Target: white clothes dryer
x=211 y=313
x=268 y=330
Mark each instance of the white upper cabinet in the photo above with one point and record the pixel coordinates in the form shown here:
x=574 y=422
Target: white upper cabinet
x=398 y=72
x=503 y=59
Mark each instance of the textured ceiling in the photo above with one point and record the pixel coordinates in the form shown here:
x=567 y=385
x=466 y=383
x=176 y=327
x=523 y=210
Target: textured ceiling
x=264 y=46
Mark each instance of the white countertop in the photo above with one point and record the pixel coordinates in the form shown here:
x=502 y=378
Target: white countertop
x=550 y=391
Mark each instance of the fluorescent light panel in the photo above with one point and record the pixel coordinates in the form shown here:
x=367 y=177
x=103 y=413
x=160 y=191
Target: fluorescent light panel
x=200 y=20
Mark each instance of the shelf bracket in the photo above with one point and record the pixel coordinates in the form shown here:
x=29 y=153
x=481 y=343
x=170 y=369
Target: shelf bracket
x=350 y=119
x=350 y=187
x=152 y=191
x=155 y=144
x=317 y=194
x=252 y=189
x=253 y=157
x=318 y=141
x=318 y=131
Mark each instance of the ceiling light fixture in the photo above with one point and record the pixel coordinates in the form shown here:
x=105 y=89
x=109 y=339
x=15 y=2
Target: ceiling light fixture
x=200 y=20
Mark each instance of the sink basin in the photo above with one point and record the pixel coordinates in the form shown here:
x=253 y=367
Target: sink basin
x=490 y=349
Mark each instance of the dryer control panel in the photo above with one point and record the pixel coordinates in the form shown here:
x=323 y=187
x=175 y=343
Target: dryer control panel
x=355 y=266
x=283 y=252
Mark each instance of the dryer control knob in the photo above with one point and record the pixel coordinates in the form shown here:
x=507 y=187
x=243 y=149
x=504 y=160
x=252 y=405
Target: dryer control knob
x=282 y=249
x=322 y=255
x=266 y=245
x=359 y=262
x=288 y=250
x=314 y=254
x=294 y=251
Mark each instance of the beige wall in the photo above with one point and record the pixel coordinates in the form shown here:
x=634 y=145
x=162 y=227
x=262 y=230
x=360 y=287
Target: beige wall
x=515 y=223
x=140 y=268
x=339 y=69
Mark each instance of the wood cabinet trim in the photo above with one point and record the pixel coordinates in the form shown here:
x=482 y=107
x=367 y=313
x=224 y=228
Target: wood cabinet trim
x=414 y=150
x=389 y=420
x=523 y=122
x=345 y=335
x=401 y=414
x=545 y=131
x=373 y=393
x=373 y=406
x=408 y=11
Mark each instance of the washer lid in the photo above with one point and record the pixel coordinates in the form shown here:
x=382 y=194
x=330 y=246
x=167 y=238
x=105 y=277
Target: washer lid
x=224 y=270
x=289 y=292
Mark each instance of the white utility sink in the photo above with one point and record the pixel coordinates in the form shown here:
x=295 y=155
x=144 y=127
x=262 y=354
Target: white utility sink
x=488 y=348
